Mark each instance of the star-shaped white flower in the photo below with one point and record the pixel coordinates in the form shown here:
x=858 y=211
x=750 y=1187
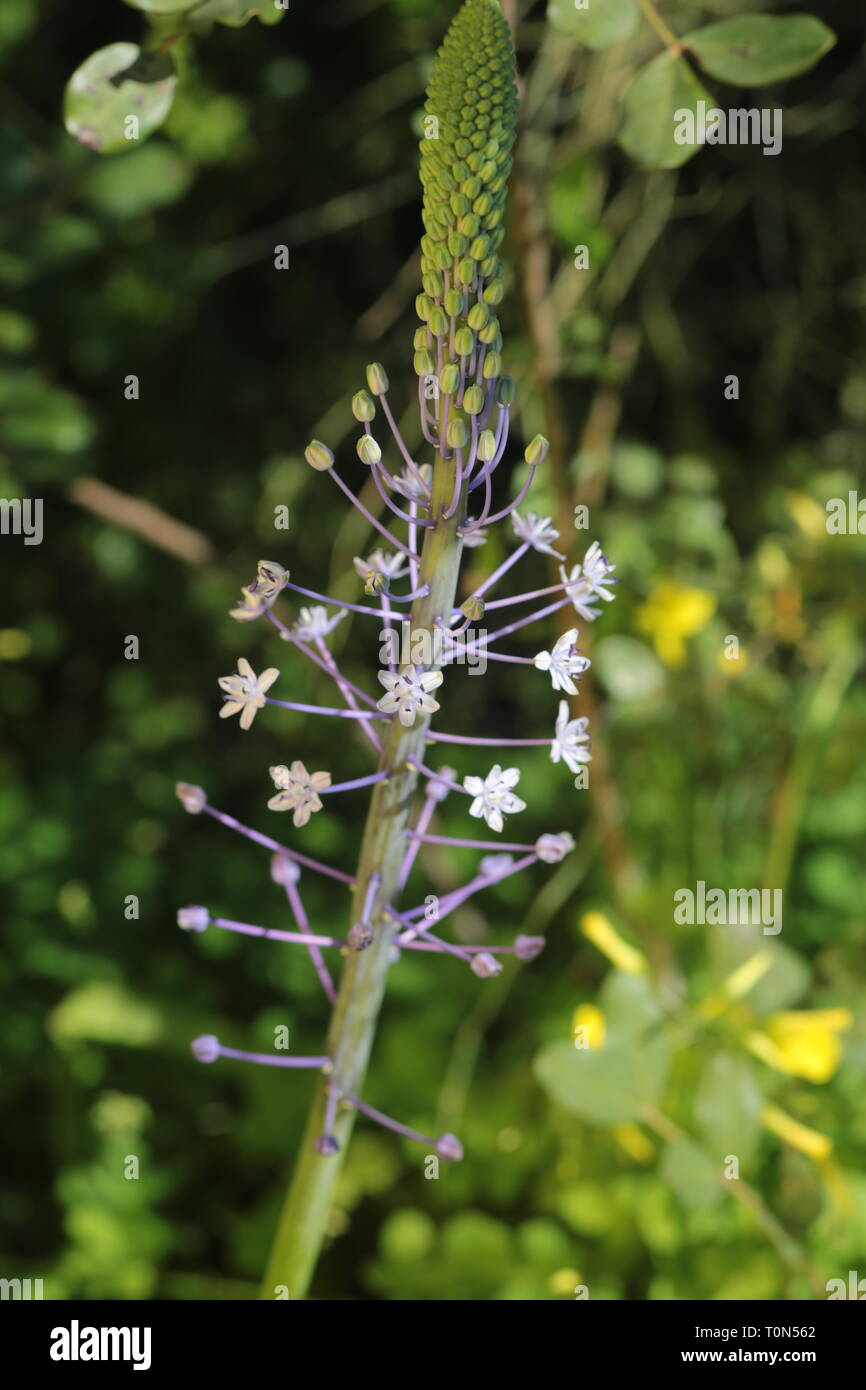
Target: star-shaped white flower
x=493 y=795
x=537 y=531
x=408 y=486
x=408 y=693
x=563 y=663
x=298 y=791
x=473 y=539
x=314 y=622
x=588 y=580
x=393 y=566
x=571 y=736
x=245 y=692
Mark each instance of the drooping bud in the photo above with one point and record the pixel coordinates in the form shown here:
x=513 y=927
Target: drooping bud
x=448 y=1146
x=536 y=450
x=528 y=947
x=193 y=919
x=205 y=1048
x=485 y=966
x=487 y=446
x=363 y=408
x=368 y=450
x=377 y=378
x=473 y=400
x=552 y=848
x=375 y=582
x=457 y=434
x=318 y=456
x=193 y=799
x=473 y=608
x=284 y=870
x=449 y=379
x=505 y=390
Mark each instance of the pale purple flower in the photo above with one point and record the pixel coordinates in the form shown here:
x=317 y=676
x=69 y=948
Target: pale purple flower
x=485 y=966
x=495 y=865
x=245 y=692
x=408 y=693
x=314 y=622
x=571 y=742
x=537 y=531
x=493 y=795
x=193 y=918
x=298 y=791
x=563 y=663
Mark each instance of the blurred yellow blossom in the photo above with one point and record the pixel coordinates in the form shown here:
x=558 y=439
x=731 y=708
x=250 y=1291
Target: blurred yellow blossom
x=802 y=1043
x=808 y=514
x=597 y=929
x=588 y=1027
x=563 y=1282
x=636 y=1144
x=736 y=985
x=671 y=613
x=808 y=1141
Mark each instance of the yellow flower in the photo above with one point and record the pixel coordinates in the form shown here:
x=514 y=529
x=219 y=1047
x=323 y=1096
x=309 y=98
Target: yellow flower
x=588 y=1027
x=671 y=613
x=563 y=1282
x=802 y=1043
x=808 y=1141
x=597 y=929
x=735 y=985
x=635 y=1143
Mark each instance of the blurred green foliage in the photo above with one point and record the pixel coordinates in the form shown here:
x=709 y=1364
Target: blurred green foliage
x=159 y=263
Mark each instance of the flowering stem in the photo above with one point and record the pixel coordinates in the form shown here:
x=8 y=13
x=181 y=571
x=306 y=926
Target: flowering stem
x=310 y=1196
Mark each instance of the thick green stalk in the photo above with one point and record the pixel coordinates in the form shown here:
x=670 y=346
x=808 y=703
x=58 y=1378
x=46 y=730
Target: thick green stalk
x=305 y=1212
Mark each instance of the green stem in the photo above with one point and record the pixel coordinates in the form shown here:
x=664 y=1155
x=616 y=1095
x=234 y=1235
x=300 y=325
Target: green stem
x=309 y=1199
x=652 y=17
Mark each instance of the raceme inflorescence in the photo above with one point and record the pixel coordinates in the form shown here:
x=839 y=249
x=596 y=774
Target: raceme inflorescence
x=423 y=634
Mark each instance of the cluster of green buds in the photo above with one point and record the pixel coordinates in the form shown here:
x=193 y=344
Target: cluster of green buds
x=469 y=128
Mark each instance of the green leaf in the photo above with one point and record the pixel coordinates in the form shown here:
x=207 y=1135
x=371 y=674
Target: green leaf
x=236 y=13
x=650 y=103
x=150 y=178
x=692 y=1175
x=112 y=85
x=757 y=48
x=606 y=1087
x=728 y=1108
x=599 y=24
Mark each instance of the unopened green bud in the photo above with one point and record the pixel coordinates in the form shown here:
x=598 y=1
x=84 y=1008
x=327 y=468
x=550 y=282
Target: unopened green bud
x=494 y=293
x=466 y=271
x=480 y=248
x=424 y=362
x=376 y=583
x=432 y=283
x=453 y=303
x=473 y=609
x=486 y=446
x=464 y=342
x=469 y=225
x=505 y=390
x=423 y=308
x=457 y=434
x=473 y=400
x=478 y=316
x=457 y=245
x=492 y=366
x=438 y=323
x=377 y=378
x=489 y=333
x=363 y=408
x=536 y=449
x=420 y=339
x=449 y=379
x=318 y=456
x=368 y=450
